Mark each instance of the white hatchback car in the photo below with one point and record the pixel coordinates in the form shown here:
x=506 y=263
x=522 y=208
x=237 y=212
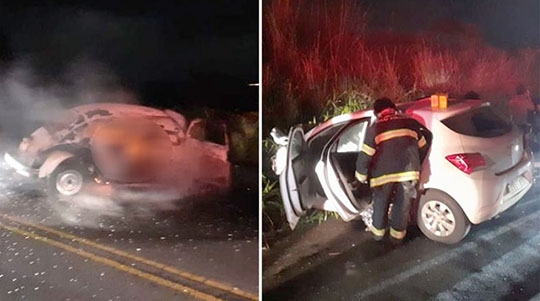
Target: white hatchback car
x=476 y=168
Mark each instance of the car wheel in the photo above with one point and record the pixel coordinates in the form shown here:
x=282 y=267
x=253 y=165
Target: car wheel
x=68 y=179
x=441 y=219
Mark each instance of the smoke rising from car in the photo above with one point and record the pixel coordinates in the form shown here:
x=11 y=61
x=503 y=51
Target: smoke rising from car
x=28 y=97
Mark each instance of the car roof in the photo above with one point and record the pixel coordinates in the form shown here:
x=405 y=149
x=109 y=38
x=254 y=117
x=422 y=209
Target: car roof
x=420 y=107
x=455 y=106
x=120 y=109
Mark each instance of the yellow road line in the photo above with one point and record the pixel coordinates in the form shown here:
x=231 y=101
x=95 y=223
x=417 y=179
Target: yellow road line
x=155 y=264
x=114 y=264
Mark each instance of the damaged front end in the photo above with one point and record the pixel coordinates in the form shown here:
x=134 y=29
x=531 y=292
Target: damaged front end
x=42 y=151
x=27 y=159
x=20 y=167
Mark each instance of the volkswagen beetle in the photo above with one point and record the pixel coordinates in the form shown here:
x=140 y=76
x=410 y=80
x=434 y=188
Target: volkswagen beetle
x=140 y=152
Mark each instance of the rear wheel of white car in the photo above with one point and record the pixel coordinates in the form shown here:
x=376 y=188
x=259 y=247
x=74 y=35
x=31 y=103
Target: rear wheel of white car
x=441 y=219
x=68 y=179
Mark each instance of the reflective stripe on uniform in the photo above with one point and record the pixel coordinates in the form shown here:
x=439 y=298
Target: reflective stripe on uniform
x=360 y=177
x=395 y=177
x=397 y=234
x=377 y=232
x=395 y=134
x=422 y=142
x=368 y=150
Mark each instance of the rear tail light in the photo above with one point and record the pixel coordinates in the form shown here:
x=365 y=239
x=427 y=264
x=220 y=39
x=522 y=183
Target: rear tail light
x=468 y=162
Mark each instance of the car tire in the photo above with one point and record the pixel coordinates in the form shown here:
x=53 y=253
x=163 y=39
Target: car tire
x=440 y=218
x=68 y=179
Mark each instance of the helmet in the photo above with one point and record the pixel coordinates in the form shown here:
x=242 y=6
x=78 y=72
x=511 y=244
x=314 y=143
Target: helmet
x=381 y=104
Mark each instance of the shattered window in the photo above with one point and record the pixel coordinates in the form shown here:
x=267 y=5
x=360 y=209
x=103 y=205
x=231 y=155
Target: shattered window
x=351 y=140
x=215 y=132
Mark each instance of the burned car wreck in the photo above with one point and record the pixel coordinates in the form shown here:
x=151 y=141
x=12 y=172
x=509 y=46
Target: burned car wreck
x=135 y=152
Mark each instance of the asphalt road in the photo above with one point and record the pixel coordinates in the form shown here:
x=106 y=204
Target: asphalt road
x=48 y=252
x=498 y=260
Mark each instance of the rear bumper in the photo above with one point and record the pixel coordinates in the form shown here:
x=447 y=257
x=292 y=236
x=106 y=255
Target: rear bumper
x=19 y=167
x=483 y=194
x=526 y=170
x=496 y=193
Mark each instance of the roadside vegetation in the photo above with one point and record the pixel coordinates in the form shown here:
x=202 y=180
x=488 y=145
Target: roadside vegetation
x=321 y=59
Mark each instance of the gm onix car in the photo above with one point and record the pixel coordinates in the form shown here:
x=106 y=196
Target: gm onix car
x=140 y=152
x=476 y=168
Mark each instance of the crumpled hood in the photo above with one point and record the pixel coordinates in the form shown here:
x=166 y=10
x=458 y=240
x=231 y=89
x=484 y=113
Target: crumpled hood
x=31 y=146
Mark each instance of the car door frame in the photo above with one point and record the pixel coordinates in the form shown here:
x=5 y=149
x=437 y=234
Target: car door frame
x=290 y=196
x=338 y=198
x=218 y=150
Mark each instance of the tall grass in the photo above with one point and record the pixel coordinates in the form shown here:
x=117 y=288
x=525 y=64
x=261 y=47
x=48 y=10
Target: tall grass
x=435 y=70
x=309 y=48
x=315 y=51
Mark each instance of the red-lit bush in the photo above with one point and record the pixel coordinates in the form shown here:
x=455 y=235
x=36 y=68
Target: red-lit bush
x=316 y=52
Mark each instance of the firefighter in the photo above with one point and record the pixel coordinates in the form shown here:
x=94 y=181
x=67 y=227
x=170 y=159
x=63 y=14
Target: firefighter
x=391 y=157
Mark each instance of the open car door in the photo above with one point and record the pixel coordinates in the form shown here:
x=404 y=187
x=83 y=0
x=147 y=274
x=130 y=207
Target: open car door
x=208 y=149
x=336 y=171
x=294 y=176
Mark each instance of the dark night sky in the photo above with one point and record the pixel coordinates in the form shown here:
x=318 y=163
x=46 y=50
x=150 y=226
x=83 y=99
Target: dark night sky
x=172 y=52
x=507 y=24
x=206 y=52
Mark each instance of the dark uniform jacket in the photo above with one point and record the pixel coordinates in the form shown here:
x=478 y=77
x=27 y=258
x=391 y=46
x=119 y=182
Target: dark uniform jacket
x=393 y=150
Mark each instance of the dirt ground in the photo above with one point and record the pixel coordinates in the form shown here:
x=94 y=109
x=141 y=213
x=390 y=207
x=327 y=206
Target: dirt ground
x=310 y=243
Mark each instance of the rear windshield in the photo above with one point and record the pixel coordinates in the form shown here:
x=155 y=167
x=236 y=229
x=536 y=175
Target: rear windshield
x=479 y=122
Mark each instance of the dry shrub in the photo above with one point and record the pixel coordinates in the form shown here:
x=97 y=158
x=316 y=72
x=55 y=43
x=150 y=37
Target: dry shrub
x=435 y=70
x=315 y=51
x=244 y=138
x=309 y=47
x=482 y=68
x=383 y=78
x=491 y=70
x=528 y=65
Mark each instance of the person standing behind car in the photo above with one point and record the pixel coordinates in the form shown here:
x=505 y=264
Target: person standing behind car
x=391 y=158
x=521 y=106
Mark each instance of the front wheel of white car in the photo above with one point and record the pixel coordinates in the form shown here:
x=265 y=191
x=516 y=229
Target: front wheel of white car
x=441 y=219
